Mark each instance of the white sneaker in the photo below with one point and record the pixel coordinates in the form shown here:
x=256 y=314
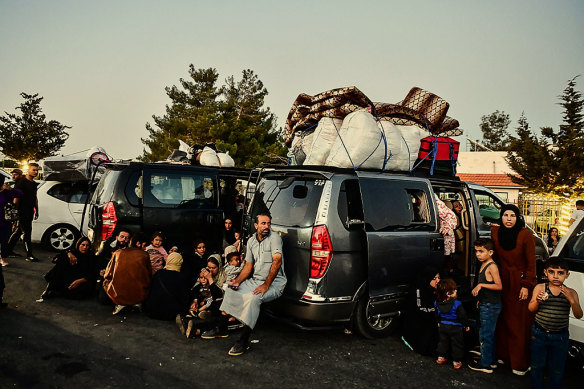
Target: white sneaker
x=521 y=372
x=118 y=309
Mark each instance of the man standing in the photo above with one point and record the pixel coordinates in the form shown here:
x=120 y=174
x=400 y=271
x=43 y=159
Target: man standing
x=28 y=210
x=16 y=175
x=578 y=212
x=246 y=294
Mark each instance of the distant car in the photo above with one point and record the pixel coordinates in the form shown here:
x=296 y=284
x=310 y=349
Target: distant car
x=60 y=211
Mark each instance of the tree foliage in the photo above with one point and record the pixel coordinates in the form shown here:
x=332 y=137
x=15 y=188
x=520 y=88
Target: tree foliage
x=232 y=116
x=29 y=135
x=552 y=163
x=494 y=128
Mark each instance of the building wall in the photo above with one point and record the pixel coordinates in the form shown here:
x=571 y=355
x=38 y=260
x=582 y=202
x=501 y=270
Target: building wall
x=483 y=162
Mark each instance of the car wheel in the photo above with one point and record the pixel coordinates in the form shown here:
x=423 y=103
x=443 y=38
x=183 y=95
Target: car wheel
x=61 y=237
x=373 y=326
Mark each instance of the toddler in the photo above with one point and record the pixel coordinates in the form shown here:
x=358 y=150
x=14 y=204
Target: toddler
x=488 y=291
x=551 y=302
x=451 y=318
x=203 y=299
x=157 y=253
x=233 y=268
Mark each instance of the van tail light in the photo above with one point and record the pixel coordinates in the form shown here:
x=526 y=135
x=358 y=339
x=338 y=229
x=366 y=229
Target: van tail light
x=321 y=252
x=109 y=220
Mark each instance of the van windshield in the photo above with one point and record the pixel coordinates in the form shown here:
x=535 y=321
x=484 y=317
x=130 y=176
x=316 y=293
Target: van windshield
x=291 y=201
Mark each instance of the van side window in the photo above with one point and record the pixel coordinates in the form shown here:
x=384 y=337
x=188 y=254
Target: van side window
x=179 y=190
x=134 y=188
x=489 y=207
x=350 y=206
x=575 y=245
x=393 y=205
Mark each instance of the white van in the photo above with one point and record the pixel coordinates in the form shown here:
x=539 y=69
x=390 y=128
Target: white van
x=571 y=249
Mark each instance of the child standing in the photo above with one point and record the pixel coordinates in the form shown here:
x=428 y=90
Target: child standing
x=157 y=253
x=451 y=318
x=488 y=291
x=551 y=302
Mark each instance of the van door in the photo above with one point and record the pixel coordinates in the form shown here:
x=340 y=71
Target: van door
x=402 y=231
x=182 y=203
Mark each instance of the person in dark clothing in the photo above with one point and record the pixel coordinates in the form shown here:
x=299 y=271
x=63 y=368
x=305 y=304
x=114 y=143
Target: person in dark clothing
x=28 y=210
x=7 y=195
x=452 y=319
x=72 y=279
x=420 y=329
x=168 y=293
x=194 y=261
x=110 y=246
x=228 y=233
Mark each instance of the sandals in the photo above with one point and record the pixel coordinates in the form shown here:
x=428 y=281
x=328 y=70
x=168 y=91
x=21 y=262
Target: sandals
x=441 y=361
x=456 y=365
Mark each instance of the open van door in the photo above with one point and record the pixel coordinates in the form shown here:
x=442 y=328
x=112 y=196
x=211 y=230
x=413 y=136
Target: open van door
x=402 y=231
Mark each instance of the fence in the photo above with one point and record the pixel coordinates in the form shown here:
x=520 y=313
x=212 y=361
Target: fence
x=543 y=213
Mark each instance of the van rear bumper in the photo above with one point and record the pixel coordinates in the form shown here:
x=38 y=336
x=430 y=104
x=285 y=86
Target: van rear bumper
x=311 y=314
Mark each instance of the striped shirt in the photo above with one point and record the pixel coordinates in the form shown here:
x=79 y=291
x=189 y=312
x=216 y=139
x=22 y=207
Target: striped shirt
x=553 y=314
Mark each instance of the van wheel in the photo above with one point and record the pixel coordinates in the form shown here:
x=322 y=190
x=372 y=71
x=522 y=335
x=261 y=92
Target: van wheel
x=61 y=237
x=372 y=326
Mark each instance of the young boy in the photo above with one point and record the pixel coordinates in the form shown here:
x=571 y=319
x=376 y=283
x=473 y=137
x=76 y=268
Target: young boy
x=488 y=291
x=551 y=303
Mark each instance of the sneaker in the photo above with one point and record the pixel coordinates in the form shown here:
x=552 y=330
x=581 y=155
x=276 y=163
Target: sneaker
x=494 y=366
x=32 y=258
x=456 y=365
x=181 y=322
x=4 y=263
x=475 y=352
x=520 y=372
x=476 y=366
x=118 y=309
x=204 y=315
x=214 y=333
x=441 y=360
x=238 y=349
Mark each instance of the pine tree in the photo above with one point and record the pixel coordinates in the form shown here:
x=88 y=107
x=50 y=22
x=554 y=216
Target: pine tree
x=232 y=116
x=30 y=136
x=494 y=128
x=553 y=163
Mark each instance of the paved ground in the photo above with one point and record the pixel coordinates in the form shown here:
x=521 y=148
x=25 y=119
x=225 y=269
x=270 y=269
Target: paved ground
x=76 y=344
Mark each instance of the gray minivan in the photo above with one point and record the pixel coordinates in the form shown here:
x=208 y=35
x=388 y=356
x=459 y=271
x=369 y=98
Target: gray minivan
x=354 y=240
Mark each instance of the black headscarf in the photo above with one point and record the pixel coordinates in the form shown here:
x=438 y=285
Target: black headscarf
x=508 y=236
x=426 y=292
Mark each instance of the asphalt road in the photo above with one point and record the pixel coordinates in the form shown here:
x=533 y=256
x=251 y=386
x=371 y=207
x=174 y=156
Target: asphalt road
x=79 y=344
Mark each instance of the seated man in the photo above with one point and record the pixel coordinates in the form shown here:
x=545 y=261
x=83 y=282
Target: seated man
x=246 y=294
x=128 y=275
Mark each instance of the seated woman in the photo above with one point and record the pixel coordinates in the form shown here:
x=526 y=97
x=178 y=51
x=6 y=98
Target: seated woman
x=194 y=261
x=128 y=275
x=168 y=292
x=213 y=278
x=72 y=278
x=420 y=327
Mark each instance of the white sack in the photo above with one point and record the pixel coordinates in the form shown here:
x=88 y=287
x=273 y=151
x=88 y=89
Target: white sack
x=412 y=136
x=361 y=139
x=324 y=136
x=226 y=160
x=301 y=147
x=397 y=150
x=208 y=157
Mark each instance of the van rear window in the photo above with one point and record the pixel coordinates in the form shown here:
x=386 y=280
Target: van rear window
x=291 y=201
x=105 y=188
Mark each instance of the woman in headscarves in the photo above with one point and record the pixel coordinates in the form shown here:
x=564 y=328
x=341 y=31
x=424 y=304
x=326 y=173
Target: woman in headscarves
x=168 y=292
x=72 y=278
x=420 y=327
x=515 y=249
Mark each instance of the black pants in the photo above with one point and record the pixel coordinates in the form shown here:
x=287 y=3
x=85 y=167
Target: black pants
x=450 y=337
x=1 y=284
x=24 y=228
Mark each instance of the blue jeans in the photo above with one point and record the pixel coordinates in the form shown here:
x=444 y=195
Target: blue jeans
x=489 y=314
x=553 y=348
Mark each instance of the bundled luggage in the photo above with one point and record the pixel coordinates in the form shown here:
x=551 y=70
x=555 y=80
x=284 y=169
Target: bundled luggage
x=343 y=128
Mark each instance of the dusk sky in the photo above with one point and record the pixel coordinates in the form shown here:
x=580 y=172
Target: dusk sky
x=102 y=66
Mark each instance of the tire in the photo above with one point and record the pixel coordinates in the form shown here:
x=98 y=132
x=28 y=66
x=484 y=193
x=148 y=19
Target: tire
x=372 y=327
x=61 y=237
